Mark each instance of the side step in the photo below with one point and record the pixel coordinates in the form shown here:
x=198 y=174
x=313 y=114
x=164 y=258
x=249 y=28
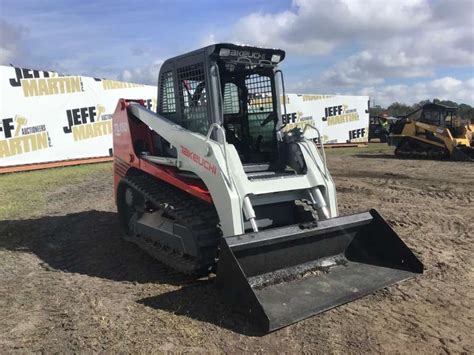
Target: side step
x=283 y=275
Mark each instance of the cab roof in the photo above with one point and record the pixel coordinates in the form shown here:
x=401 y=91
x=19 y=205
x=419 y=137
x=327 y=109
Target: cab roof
x=238 y=52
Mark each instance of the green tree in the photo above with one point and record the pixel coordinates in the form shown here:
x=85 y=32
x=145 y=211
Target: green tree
x=377 y=110
x=399 y=109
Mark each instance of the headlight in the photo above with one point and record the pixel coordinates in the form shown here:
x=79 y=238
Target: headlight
x=276 y=58
x=224 y=52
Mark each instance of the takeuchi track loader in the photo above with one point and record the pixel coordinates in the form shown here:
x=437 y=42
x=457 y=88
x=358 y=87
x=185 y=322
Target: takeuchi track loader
x=211 y=184
x=433 y=131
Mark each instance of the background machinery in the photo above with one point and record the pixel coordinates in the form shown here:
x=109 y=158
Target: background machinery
x=210 y=184
x=379 y=127
x=433 y=131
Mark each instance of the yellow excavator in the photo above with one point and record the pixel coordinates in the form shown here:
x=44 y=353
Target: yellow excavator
x=434 y=131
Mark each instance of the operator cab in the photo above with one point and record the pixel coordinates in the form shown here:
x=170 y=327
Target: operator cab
x=231 y=85
x=439 y=115
x=443 y=116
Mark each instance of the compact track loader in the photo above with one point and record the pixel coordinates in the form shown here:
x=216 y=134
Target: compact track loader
x=210 y=183
x=433 y=131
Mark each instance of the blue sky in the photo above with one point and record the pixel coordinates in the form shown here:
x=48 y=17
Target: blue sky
x=405 y=50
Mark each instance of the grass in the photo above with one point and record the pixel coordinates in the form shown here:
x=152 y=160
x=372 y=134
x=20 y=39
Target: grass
x=372 y=148
x=23 y=194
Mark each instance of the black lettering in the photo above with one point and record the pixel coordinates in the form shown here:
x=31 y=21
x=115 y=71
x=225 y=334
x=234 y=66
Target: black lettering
x=8 y=127
x=76 y=117
x=27 y=74
x=92 y=113
x=67 y=129
x=84 y=114
x=357 y=133
x=16 y=82
x=326 y=114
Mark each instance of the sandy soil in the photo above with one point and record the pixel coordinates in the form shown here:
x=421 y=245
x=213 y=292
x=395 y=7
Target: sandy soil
x=68 y=283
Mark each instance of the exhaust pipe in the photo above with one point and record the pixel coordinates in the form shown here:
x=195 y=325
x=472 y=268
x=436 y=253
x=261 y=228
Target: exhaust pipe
x=283 y=275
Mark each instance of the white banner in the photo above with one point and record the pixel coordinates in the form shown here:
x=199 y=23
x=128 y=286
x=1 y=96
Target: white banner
x=45 y=117
x=339 y=119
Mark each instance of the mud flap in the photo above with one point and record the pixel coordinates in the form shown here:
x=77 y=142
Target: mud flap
x=283 y=275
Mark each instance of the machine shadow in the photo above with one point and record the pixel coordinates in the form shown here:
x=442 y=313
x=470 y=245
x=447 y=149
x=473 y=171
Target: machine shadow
x=87 y=243
x=377 y=156
x=202 y=301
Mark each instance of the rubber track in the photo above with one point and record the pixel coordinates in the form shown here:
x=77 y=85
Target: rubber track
x=200 y=217
x=415 y=154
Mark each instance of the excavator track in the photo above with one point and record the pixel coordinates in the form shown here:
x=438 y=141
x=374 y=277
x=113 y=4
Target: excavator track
x=199 y=218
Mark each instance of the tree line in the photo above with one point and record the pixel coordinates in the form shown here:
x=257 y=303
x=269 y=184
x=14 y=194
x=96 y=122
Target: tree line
x=399 y=109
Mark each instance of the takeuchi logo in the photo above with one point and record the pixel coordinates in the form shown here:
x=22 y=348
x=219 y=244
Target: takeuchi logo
x=19 y=138
x=41 y=83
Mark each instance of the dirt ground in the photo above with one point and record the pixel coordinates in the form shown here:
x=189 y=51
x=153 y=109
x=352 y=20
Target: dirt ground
x=68 y=282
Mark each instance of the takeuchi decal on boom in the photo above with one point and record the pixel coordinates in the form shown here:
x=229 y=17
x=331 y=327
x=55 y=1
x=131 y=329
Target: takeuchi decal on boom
x=21 y=138
x=199 y=160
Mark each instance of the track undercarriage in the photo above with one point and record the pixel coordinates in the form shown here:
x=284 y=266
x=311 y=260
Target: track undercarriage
x=416 y=149
x=179 y=218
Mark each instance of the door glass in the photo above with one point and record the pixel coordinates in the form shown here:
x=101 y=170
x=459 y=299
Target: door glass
x=193 y=99
x=260 y=106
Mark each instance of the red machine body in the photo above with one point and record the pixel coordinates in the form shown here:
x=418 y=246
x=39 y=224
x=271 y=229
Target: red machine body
x=125 y=157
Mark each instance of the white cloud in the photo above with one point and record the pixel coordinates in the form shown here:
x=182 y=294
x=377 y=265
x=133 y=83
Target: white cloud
x=142 y=75
x=394 y=39
x=446 y=88
x=10 y=35
x=208 y=40
x=370 y=67
x=318 y=26
x=405 y=57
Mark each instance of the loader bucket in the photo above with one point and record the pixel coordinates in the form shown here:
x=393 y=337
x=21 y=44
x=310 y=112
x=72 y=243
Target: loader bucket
x=283 y=275
x=463 y=154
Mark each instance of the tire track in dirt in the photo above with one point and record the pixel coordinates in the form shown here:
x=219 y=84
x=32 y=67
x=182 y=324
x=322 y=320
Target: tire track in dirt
x=71 y=285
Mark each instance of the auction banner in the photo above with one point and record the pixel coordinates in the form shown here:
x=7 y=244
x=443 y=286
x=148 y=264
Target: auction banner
x=339 y=118
x=47 y=117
